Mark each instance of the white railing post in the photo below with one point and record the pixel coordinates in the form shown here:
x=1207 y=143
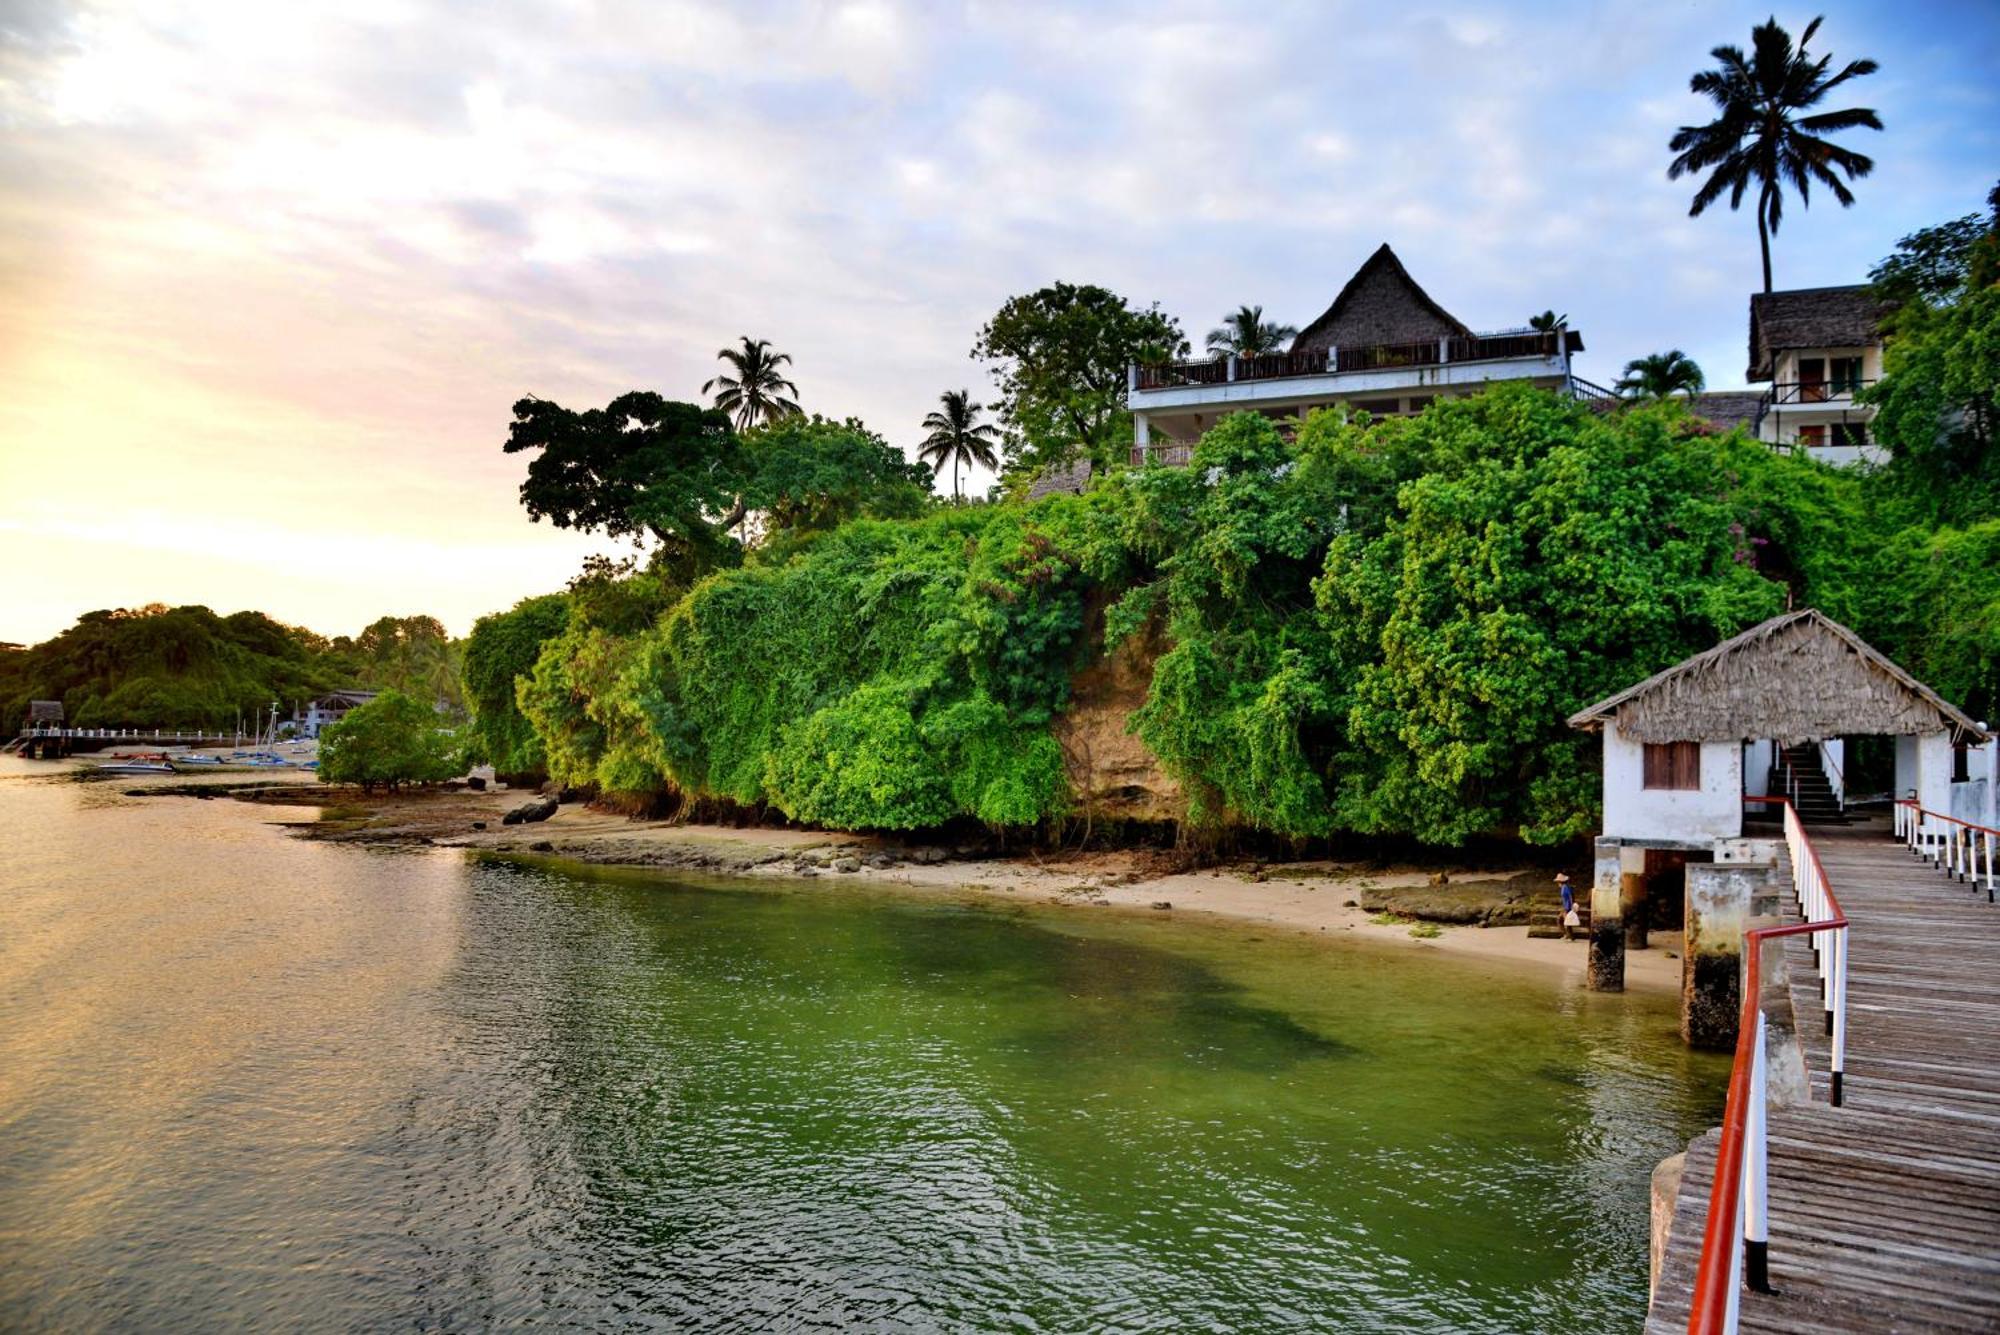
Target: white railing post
x=1839 y=1012
x=1756 y=1221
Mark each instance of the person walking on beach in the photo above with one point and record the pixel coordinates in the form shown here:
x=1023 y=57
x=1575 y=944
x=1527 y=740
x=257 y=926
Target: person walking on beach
x=1571 y=919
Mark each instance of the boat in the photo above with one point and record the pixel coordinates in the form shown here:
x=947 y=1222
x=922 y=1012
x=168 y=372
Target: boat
x=242 y=763
x=134 y=765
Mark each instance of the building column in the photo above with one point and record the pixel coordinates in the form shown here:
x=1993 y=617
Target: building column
x=1142 y=432
x=1607 y=918
x=1723 y=901
x=1634 y=896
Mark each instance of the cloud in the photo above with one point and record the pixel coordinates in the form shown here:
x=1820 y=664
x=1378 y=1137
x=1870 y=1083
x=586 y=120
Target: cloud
x=302 y=257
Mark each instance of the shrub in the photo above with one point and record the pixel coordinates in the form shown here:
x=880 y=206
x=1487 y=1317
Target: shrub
x=388 y=742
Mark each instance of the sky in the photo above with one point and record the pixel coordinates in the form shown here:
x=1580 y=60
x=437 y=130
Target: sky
x=272 y=274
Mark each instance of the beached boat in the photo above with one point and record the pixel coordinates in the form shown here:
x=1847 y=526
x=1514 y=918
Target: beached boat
x=241 y=763
x=134 y=765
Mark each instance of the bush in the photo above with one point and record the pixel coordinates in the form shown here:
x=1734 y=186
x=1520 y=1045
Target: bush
x=388 y=742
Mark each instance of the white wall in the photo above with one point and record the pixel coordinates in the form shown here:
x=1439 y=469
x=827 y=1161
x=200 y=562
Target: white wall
x=1976 y=799
x=1633 y=811
x=1758 y=757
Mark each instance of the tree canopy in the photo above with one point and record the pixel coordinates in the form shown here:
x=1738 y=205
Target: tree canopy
x=1060 y=356
x=388 y=742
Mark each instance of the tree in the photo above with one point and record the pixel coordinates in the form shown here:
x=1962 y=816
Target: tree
x=414 y=655
x=1932 y=263
x=1759 y=139
x=388 y=742
x=957 y=434
x=812 y=474
x=758 y=390
x=639 y=465
x=1659 y=375
x=1547 y=321
x=1244 y=333
x=1060 y=356
x=501 y=650
x=1939 y=401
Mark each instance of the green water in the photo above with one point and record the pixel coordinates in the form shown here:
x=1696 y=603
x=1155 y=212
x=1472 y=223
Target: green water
x=253 y=1083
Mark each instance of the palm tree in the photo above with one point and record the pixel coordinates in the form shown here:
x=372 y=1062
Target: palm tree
x=1660 y=374
x=1547 y=321
x=1243 y=333
x=756 y=393
x=1756 y=139
x=957 y=434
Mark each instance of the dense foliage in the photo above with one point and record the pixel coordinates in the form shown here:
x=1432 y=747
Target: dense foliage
x=1061 y=357
x=502 y=648
x=186 y=667
x=388 y=742
x=1374 y=626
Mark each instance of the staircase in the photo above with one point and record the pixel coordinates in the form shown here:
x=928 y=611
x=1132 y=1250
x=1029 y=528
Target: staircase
x=1808 y=787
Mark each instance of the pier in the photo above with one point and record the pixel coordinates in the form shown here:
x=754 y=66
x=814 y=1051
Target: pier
x=1881 y=1213
x=54 y=743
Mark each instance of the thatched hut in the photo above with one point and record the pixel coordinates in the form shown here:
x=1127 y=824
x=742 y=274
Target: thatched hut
x=1683 y=747
x=45 y=713
x=1381 y=304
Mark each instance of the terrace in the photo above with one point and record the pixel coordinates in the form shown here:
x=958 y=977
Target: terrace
x=1510 y=345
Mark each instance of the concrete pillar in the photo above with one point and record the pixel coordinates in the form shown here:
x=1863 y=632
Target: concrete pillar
x=1634 y=892
x=1722 y=902
x=1142 y=430
x=1607 y=921
x=1667 y=1176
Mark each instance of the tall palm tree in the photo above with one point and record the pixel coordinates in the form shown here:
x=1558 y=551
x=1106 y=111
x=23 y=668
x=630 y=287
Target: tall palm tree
x=1659 y=374
x=756 y=393
x=957 y=434
x=1757 y=137
x=1243 y=333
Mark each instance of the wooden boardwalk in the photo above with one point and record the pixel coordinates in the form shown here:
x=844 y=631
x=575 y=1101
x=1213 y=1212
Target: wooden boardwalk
x=1885 y=1212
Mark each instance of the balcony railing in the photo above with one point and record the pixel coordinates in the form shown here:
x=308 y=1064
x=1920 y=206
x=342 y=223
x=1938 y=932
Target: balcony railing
x=1790 y=392
x=1509 y=345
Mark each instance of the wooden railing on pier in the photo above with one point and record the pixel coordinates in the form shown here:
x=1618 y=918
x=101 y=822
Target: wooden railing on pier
x=1882 y=1198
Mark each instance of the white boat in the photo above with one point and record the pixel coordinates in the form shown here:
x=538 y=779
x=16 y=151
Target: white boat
x=135 y=765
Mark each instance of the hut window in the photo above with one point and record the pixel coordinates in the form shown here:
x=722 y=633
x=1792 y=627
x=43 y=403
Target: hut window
x=1673 y=765
x=1961 y=763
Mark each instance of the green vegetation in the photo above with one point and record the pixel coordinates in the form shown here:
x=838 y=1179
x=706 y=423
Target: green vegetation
x=388 y=742
x=957 y=434
x=1758 y=138
x=1060 y=356
x=1244 y=332
x=187 y=667
x=1660 y=375
x=758 y=391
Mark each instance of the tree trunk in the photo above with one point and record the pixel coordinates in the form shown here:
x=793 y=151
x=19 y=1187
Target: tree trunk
x=955 y=497
x=1764 y=232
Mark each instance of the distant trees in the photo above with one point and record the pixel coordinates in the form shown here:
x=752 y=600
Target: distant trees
x=412 y=654
x=1758 y=138
x=1547 y=321
x=758 y=391
x=957 y=434
x=1060 y=356
x=1245 y=333
x=388 y=742
x=1659 y=375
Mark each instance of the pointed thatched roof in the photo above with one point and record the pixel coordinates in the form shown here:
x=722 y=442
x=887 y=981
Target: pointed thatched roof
x=1812 y=317
x=1380 y=304
x=1799 y=677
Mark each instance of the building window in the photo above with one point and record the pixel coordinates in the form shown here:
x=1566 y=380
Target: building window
x=1812 y=380
x=1961 y=763
x=1850 y=433
x=1379 y=407
x=1675 y=765
x=1845 y=373
x=1812 y=436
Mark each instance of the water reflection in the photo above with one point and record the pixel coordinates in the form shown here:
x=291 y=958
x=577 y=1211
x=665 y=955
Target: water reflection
x=246 y=1081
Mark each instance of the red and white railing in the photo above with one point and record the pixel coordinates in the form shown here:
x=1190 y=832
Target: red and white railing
x=1738 y=1200
x=1961 y=847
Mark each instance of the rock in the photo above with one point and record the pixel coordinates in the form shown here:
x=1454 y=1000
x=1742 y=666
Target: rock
x=847 y=864
x=929 y=856
x=476 y=784
x=1440 y=878
x=541 y=846
x=479 y=825
x=1163 y=903
x=528 y=812
x=880 y=861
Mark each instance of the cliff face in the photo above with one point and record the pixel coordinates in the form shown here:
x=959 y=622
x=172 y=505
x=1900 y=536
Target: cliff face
x=1111 y=773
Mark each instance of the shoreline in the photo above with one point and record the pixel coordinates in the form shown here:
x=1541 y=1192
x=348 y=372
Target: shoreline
x=1396 y=905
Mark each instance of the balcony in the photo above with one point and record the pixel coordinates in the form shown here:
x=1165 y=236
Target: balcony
x=1509 y=346
x=1797 y=393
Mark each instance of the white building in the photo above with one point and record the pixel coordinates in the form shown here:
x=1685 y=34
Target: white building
x=330 y=709
x=1767 y=710
x=1817 y=347
x=1383 y=346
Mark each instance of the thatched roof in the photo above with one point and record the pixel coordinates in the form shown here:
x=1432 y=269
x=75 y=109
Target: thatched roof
x=1727 y=409
x=1799 y=677
x=1071 y=477
x=1380 y=304
x=1811 y=317
x=45 y=711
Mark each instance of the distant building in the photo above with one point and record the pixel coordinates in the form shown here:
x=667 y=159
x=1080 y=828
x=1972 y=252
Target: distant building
x=45 y=713
x=1817 y=346
x=330 y=709
x=1383 y=346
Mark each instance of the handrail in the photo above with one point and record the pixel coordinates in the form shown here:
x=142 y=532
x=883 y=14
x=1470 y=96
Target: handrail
x=1957 y=848
x=1840 y=780
x=1737 y=1199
